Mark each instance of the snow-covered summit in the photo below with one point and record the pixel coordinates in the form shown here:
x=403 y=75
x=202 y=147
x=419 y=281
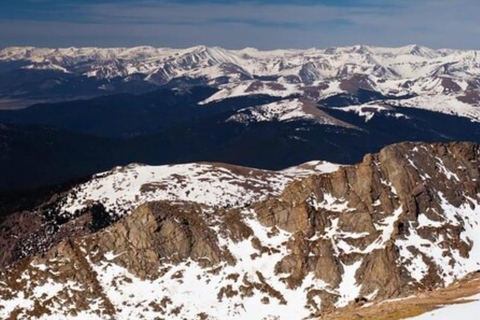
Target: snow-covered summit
x=210 y=184
x=403 y=62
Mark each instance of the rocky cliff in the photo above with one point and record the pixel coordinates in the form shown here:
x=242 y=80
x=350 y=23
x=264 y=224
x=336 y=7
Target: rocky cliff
x=210 y=241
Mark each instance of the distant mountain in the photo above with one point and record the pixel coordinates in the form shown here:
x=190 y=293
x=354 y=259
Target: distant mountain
x=439 y=80
x=216 y=241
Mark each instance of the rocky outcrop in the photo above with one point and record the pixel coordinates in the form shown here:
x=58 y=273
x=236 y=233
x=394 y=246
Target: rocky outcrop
x=403 y=221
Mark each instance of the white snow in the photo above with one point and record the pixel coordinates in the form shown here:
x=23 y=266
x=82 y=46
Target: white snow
x=365 y=111
x=463 y=311
x=348 y=288
x=369 y=110
x=18 y=301
x=311 y=167
x=448 y=173
x=330 y=203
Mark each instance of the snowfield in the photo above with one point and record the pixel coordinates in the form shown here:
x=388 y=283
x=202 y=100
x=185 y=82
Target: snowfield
x=461 y=311
x=214 y=185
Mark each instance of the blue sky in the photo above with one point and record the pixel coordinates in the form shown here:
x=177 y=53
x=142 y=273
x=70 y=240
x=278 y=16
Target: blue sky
x=266 y=24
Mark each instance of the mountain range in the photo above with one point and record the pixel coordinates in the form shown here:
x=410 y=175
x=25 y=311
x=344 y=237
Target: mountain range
x=79 y=111
x=422 y=77
x=205 y=183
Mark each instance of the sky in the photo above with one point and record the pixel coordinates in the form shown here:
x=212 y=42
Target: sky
x=264 y=24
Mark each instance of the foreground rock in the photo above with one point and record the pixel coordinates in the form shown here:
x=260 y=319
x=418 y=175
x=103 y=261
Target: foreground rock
x=221 y=242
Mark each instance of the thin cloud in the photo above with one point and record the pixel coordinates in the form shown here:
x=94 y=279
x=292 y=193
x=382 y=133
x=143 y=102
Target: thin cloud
x=440 y=23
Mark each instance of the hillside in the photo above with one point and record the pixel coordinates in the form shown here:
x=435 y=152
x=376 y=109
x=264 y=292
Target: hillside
x=236 y=242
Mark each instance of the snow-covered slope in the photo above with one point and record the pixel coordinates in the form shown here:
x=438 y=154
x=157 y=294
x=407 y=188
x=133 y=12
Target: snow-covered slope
x=467 y=310
x=285 y=111
x=369 y=110
x=213 y=185
x=448 y=77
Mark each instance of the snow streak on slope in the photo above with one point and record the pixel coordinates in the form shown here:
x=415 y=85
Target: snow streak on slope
x=282 y=111
x=285 y=111
x=369 y=110
x=311 y=167
x=246 y=88
x=440 y=103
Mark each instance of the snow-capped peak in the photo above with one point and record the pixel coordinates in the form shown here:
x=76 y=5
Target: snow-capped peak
x=409 y=71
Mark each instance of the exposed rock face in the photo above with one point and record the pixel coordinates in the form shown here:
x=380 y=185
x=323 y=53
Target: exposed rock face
x=401 y=222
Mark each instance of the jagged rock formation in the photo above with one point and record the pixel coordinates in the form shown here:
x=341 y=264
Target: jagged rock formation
x=222 y=242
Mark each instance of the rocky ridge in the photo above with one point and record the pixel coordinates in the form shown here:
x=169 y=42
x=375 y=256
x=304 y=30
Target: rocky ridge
x=142 y=242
